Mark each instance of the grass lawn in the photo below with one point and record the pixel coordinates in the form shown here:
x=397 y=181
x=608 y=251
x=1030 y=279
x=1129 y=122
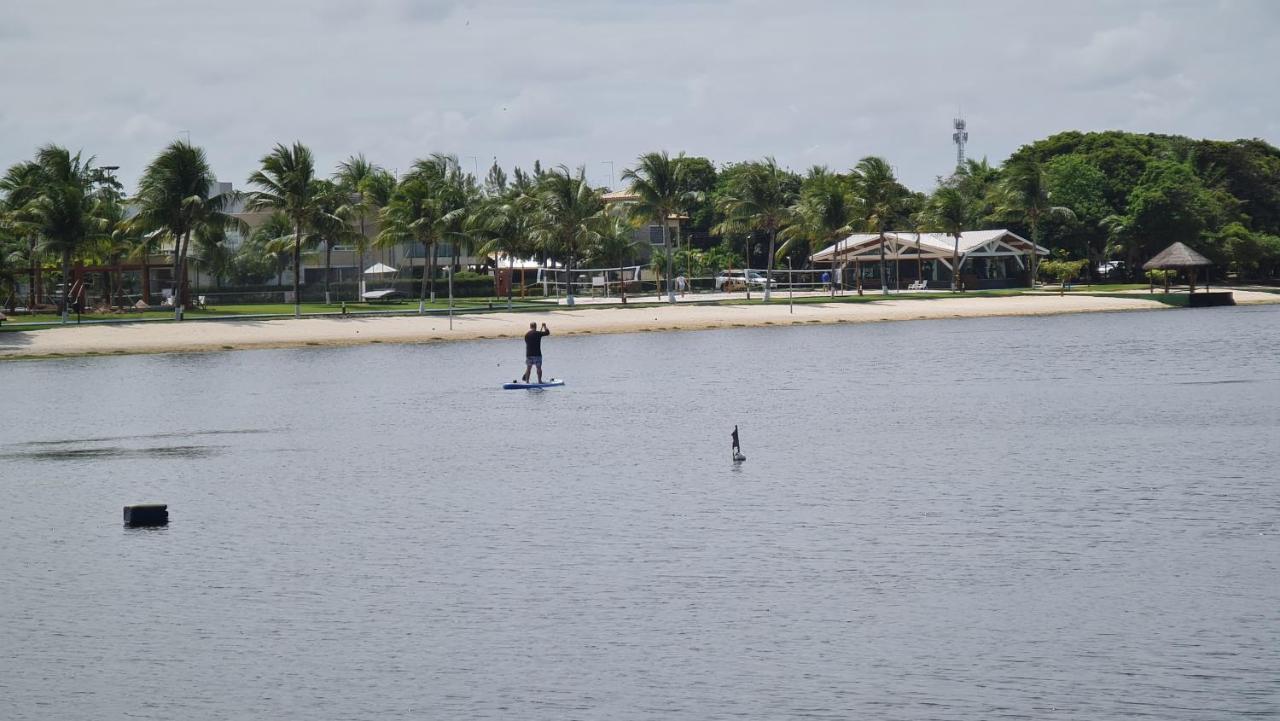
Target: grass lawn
x=42 y=320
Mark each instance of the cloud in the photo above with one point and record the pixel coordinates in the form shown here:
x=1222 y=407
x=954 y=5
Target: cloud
x=586 y=82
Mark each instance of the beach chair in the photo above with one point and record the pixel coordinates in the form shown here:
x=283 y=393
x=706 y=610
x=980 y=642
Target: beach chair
x=924 y=285
x=200 y=301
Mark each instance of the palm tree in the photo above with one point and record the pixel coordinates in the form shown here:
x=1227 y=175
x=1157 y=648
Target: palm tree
x=21 y=185
x=616 y=240
x=175 y=196
x=759 y=198
x=1025 y=196
x=823 y=214
x=273 y=239
x=411 y=217
x=116 y=243
x=881 y=196
x=951 y=211
x=569 y=217
x=363 y=185
x=67 y=213
x=504 y=224
x=331 y=225
x=286 y=182
x=657 y=182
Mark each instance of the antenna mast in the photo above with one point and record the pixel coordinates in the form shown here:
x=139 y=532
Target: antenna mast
x=959 y=137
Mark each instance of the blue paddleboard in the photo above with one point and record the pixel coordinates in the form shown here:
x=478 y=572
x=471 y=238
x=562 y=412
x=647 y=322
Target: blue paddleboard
x=517 y=385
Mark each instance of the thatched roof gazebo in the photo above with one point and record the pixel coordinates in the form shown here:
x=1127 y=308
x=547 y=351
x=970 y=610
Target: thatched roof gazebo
x=1178 y=257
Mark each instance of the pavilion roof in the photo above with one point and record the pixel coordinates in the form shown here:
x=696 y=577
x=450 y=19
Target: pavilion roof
x=902 y=244
x=1177 y=255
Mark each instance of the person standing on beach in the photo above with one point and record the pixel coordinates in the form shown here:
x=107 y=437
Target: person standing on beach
x=533 y=349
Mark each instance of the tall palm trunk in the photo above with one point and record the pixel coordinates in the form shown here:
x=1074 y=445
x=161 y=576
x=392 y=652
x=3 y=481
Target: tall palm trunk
x=768 y=266
x=146 y=276
x=176 y=276
x=955 y=266
x=1034 y=264
x=360 y=267
x=328 y=267
x=35 y=274
x=427 y=249
x=884 y=281
x=511 y=277
x=622 y=281
x=297 y=270
x=666 y=244
x=435 y=257
x=919 y=261
x=568 y=277
x=66 y=283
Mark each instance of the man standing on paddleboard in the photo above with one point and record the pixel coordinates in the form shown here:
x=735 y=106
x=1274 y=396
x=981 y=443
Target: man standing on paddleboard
x=533 y=349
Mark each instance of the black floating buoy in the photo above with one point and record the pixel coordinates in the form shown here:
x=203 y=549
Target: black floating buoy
x=146 y=514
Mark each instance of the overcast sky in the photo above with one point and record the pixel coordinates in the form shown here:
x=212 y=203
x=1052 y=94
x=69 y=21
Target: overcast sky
x=583 y=82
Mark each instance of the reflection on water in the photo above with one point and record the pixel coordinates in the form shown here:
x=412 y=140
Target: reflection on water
x=64 y=449
x=112 y=453
x=962 y=519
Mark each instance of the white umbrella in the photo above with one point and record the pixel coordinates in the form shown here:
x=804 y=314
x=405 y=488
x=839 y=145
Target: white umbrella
x=379 y=269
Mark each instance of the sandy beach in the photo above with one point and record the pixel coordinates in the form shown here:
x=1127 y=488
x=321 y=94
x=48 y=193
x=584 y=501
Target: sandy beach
x=196 y=336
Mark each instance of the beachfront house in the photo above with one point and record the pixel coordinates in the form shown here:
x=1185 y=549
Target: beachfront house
x=987 y=258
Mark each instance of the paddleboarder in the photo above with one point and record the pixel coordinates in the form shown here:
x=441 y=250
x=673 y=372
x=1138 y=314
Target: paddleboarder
x=533 y=349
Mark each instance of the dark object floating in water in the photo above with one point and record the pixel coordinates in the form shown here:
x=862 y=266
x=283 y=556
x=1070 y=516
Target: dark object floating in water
x=146 y=514
x=1209 y=299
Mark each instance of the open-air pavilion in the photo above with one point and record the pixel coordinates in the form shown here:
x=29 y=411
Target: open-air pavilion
x=988 y=258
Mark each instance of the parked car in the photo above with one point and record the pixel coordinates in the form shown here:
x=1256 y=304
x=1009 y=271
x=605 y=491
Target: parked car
x=383 y=296
x=732 y=280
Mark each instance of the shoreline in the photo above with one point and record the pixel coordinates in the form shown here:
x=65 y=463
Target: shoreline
x=148 y=338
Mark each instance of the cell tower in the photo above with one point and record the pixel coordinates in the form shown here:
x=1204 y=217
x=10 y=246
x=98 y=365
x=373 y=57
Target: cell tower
x=959 y=137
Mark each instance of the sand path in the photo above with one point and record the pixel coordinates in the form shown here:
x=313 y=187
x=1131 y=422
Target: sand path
x=161 y=337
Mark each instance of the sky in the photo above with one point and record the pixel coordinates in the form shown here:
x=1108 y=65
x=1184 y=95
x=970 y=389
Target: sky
x=595 y=83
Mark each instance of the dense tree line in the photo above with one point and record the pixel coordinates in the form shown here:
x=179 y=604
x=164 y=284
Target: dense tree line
x=1089 y=196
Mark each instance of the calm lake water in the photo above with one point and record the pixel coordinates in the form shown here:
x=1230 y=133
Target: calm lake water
x=1072 y=517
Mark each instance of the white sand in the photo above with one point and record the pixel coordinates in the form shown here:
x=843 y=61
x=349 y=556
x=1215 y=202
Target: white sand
x=160 y=337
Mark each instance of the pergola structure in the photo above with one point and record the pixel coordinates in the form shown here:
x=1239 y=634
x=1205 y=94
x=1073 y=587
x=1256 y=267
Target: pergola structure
x=989 y=257
x=1179 y=257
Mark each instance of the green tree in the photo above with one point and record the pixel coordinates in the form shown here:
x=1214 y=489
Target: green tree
x=67 y=214
x=286 y=183
x=759 y=198
x=332 y=225
x=267 y=252
x=1064 y=271
x=21 y=186
x=881 y=197
x=1076 y=183
x=1025 y=195
x=1169 y=204
x=570 y=216
x=824 y=213
x=366 y=188
x=658 y=181
x=504 y=223
x=176 y=195
x=615 y=241
x=951 y=211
